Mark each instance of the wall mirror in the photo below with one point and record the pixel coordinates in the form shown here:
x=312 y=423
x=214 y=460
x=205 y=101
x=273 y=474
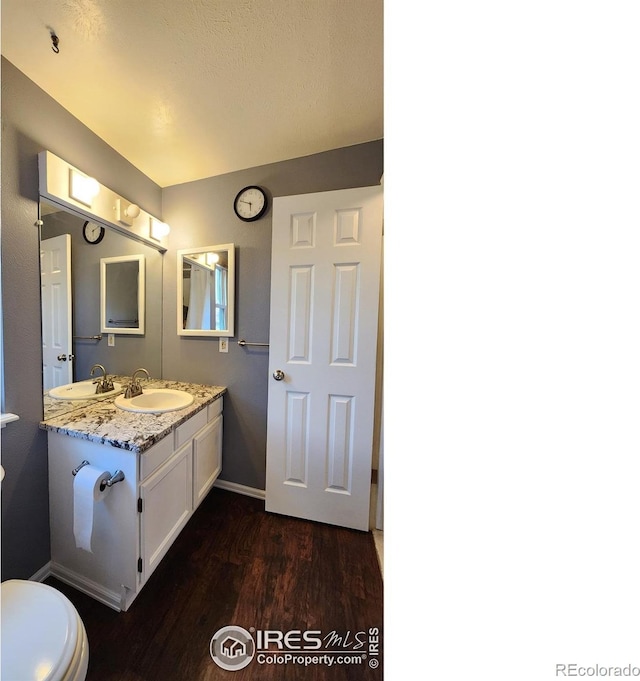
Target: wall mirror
x=206 y=291
x=122 y=294
x=90 y=345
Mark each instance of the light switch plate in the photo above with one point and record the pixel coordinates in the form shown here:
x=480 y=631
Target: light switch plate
x=111 y=339
x=224 y=345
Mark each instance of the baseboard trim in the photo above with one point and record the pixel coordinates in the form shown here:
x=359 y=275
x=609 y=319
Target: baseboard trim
x=240 y=489
x=42 y=573
x=87 y=586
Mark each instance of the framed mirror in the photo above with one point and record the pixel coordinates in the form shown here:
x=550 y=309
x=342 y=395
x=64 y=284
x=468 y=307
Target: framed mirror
x=206 y=291
x=122 y=294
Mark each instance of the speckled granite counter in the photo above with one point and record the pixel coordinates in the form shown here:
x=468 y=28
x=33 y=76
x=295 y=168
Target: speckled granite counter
x=54 y=407
x=100 y=421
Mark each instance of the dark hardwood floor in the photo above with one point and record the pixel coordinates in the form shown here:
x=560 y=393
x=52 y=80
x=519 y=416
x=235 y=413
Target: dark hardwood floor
x=235 y=564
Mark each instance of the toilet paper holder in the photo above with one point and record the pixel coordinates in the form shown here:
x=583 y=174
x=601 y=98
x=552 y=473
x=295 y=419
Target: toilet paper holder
x=118 y=476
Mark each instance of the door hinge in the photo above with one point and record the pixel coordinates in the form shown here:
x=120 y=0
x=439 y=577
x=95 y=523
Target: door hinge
x=139 y=504
x=139 y=564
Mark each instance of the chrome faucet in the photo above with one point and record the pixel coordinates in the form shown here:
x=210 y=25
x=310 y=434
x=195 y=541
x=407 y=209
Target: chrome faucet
x=104 y=384
x=134 y=388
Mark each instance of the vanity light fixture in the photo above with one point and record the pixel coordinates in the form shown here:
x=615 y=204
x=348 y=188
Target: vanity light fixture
x=125 y=213
x=72 y=189
x=157 y=229
x=82 y=188
x=211 y=259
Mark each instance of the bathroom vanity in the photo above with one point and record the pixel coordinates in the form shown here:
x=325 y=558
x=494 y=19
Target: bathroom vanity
x=169 y=461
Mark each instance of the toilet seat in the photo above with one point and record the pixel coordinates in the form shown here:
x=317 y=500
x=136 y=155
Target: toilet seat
x=42 y=634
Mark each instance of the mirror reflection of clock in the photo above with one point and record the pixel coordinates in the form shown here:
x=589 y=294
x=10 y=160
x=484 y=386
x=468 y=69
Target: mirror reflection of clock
x=92 y=232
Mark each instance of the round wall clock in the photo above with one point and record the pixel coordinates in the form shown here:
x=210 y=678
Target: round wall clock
x=92 y=233
x=250 y=203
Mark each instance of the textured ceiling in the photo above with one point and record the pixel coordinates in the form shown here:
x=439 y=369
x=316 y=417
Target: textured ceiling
x=186 y=89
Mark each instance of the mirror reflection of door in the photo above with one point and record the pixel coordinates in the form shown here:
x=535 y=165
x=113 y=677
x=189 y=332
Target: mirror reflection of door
x=55 y=273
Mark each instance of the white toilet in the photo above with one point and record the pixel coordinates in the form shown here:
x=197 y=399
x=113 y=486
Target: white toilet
x=43 y=637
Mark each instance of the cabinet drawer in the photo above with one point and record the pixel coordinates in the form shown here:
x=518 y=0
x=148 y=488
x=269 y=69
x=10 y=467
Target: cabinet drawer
x=155 y=456
x=187 y=430
x=214 y=409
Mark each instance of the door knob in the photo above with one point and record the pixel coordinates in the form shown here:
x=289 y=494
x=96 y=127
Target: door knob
x=278 y=374
x=63 y=358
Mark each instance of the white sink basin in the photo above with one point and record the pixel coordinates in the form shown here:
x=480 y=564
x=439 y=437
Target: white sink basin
x=155 y=401
x=83 y=390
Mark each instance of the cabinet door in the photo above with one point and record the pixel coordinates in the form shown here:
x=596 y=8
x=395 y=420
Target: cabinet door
x=207 y=459
x=167 y=503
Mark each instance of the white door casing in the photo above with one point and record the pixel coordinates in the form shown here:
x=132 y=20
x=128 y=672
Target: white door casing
x=325 y=275
x=55 y=271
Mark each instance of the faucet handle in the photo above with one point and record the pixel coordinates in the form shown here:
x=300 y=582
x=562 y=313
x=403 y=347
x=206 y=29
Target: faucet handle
x=132 y=389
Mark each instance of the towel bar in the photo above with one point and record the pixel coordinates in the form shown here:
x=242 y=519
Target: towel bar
x=243 y=342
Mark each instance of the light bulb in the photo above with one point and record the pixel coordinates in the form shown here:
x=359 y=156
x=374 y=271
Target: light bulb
x=82 y=188
x=158 y=229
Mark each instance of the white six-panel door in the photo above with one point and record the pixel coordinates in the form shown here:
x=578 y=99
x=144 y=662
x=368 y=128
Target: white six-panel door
x=55 y=276
x=325 y=275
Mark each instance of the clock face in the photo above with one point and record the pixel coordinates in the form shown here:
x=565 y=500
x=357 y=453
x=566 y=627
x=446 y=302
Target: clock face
x=92 y=233
x=250 y=203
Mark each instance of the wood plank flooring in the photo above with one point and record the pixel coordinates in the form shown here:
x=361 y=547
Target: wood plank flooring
x=235 y=564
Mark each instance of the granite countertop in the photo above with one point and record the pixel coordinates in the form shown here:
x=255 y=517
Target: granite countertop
x=100 y=421
x=54 y=407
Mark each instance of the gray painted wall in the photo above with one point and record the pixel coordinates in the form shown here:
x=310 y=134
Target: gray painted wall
x=31 y=122
x=200 y=214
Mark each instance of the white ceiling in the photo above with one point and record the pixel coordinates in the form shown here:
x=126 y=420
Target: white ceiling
x=186 y=89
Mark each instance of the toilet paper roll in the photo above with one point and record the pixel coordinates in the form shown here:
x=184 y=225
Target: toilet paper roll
x=86 y=494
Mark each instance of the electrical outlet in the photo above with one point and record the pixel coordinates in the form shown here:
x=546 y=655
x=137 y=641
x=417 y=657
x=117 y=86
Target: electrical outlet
x=224 y=345
x=111 y=339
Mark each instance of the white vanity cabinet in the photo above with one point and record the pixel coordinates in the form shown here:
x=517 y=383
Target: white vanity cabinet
x=176 y=475
x=207 y=454
x=165 y=505
x=139 y=518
